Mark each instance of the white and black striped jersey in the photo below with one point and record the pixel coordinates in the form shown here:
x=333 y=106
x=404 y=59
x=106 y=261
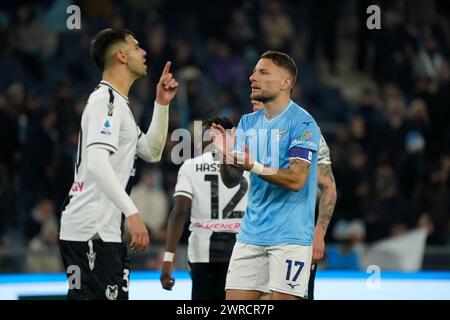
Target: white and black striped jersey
x=216 y=211
x=107 y=121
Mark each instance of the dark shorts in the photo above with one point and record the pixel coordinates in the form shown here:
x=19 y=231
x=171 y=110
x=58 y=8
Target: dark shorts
x=208 y=280
x=96 y=269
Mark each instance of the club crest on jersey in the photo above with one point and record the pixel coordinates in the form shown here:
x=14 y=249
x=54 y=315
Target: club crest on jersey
x=106 y=129
x=278 y=134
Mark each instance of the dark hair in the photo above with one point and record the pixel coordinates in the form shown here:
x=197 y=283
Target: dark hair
x=223 y=121
x=103 y=40
x=282 y=60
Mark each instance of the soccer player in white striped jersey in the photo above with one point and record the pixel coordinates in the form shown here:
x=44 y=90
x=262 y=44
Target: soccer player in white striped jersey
x=216 y=215
x=327 y=196
x=109 y=142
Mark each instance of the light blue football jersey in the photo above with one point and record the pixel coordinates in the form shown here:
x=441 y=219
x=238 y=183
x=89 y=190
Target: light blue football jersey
x=276 y=215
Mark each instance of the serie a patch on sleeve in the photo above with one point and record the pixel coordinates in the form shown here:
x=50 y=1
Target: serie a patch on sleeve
x=106 y=128
x=300 y=153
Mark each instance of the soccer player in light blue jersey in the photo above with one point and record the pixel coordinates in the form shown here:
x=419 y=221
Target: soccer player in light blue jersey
x=278 y=145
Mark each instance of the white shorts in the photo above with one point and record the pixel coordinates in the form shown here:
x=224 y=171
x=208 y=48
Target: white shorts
x=283 y=268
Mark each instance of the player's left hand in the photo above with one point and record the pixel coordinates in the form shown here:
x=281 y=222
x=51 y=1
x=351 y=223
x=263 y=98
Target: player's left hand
x=167 y=282
x=318 y=243
x=167 y=86
x=244 y=161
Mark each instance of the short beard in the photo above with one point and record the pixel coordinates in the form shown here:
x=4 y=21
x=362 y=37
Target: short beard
x=262 y=99
x=139 y=74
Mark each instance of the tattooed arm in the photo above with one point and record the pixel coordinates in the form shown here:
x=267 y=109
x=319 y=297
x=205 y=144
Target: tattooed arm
x=292 y=178
x=327 y=186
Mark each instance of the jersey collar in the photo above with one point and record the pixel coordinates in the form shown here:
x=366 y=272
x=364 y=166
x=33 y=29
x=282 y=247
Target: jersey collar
x=106 y=83
x=280 y=114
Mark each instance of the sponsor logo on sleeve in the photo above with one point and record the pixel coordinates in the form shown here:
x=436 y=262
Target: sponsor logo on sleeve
x=306 y=136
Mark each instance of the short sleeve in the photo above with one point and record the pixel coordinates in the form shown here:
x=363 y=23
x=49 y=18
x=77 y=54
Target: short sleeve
x=184 y=184
x=324 y=152
x=305 y=135
x=103 y=124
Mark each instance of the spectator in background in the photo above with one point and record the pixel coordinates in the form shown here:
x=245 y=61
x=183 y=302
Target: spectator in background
x=393 y=50
x=9 y=141
x=38 y=162
x=368 y=109
x=225 y=68
x=183 y=55
x=418 y=118
x=158 y=49
x=152 y=203
x=18 y=106
x=346 y=254
x=433 y=204
x=239 y=31
x=436 y=98
x=352 y=189
x=277 y=28
x=41 y=214
x=30 y=41
x=413 y=161
x=63 y=108
x=391 y=141
x=65 y=165
x=389 y=213
x=358 y=132
x=324 y=22
x=43 y=252
x=429 y=62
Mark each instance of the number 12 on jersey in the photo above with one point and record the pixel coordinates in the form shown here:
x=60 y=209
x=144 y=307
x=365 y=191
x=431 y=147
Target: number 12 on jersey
x=227 y=212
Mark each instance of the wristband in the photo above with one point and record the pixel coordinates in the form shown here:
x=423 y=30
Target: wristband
x=257 y=168
x=168 y=256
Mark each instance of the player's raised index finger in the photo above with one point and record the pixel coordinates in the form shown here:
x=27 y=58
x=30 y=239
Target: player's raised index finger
x=166 y=68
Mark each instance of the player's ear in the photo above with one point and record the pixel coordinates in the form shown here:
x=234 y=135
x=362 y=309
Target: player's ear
x=286 y=84
x=121 y=56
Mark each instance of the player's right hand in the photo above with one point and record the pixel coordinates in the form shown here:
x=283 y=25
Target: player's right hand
x=139 y=233
x=166 y=279
x=318 y=243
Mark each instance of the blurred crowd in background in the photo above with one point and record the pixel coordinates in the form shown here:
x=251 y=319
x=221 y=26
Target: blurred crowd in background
x=381 y=98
